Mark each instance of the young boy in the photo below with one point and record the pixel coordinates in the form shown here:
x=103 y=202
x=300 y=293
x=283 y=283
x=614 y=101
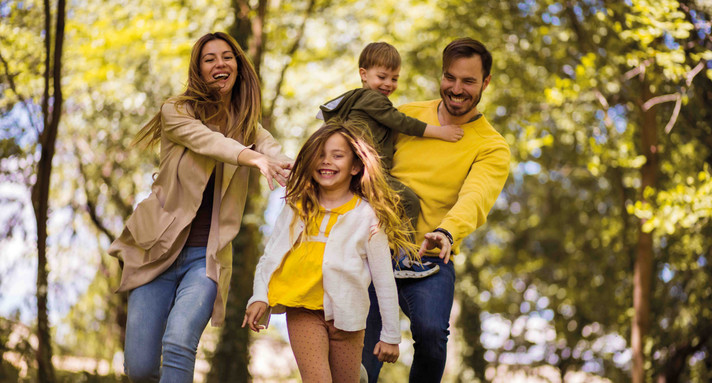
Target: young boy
x=379 y=68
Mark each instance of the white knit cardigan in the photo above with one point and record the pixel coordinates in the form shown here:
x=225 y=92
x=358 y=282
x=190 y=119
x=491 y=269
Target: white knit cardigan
x=356 y=253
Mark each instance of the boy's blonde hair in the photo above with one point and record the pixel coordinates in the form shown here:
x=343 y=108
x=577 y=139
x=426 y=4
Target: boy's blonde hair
x=379 y=54
x=302 y=193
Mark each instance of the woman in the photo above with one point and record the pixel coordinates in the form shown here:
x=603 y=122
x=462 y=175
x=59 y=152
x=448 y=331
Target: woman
x=176 y=247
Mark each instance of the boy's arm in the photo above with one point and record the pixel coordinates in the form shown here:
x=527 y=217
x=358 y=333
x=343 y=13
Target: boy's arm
x=451 y=133
x=379 y=107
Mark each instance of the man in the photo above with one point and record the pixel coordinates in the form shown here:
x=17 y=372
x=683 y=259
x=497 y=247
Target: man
x=457 y=183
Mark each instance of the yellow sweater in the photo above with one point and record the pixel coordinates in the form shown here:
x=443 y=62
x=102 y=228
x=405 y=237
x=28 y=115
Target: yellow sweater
x=457 y=182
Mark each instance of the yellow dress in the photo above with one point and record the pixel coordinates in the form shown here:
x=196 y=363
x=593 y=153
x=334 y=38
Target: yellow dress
x=298 y=280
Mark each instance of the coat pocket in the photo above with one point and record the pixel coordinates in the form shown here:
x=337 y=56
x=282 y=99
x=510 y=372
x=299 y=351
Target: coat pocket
x=148 y=222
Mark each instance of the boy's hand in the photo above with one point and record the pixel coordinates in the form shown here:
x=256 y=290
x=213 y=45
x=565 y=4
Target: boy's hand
x=253 y=314
x=386 y=352
x=451 y=133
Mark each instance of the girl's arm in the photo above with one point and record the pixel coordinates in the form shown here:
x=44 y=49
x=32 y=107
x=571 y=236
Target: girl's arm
x=254 y=313
x=276 y=246
x=386 y=352
x=379 y=261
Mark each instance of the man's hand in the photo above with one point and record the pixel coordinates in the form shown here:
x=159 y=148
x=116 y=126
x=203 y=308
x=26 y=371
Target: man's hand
x=386 y=352
x=253 y=314
x=433 y=240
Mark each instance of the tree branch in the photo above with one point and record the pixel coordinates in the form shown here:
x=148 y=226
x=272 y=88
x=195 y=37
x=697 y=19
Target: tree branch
x=659 y=100
x=11 y=80
x=91 y=208
x=290 y=53
x=675 y=113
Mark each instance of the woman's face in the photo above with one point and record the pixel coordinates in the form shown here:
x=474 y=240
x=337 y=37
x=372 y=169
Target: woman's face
x=218 y=65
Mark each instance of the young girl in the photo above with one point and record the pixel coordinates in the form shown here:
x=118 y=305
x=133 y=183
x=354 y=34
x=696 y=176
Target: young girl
x=330 y=241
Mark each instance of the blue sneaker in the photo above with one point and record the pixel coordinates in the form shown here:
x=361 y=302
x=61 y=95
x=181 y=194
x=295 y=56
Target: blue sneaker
x=405 y=269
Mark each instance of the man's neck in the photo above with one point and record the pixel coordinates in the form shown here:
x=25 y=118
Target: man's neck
x=446 y=118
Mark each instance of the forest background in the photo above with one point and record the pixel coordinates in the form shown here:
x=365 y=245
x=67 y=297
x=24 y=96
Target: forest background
x=594 y=263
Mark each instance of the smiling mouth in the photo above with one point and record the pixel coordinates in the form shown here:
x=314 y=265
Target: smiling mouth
x=457 y=99
x=324 y=172
x=221 y=76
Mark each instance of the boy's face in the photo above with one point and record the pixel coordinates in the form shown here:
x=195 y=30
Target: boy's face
x=380 y=79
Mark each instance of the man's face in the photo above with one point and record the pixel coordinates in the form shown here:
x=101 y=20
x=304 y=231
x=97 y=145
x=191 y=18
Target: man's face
x=461 y=86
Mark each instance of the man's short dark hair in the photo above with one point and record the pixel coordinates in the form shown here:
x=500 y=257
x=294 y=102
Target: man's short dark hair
x=466 y=47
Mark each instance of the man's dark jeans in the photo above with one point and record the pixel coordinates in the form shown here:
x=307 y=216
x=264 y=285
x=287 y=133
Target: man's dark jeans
x=427 y=302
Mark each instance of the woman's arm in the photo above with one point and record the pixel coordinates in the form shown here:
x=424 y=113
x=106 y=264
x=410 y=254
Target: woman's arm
x=181 y=127
x=271 y=168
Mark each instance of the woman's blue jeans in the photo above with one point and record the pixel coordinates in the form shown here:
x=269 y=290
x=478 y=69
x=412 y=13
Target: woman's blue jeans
x=427 y=302
x=166 y=317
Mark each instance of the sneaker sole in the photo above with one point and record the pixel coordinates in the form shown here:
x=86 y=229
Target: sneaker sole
x=409 y=274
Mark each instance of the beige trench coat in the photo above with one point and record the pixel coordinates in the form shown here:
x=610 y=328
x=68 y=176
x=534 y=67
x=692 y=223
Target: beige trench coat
x=158 y=228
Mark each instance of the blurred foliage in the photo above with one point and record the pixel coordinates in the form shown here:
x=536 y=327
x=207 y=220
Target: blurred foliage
x=548 y=281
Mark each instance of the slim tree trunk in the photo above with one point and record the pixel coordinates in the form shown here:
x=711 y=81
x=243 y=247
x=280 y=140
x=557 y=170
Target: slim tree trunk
x=231 y=359
x=643 y=268
x=40 y=190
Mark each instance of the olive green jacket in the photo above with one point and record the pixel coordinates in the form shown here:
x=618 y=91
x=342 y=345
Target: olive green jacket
x=379 y=114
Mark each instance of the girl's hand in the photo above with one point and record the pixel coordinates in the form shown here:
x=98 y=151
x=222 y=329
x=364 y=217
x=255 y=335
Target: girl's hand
x=386 y=352
x=271 y=168
x=436 y=239
x=253 y=314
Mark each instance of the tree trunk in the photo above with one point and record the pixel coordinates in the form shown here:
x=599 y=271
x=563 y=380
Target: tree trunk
x=231 y=358
x=643 y=268
x=40 y=190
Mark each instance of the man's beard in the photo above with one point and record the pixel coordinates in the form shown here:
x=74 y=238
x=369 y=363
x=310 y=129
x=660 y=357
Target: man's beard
x=463 y=111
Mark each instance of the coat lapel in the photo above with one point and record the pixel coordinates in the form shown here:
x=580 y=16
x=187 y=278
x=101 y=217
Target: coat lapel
x=228 y=172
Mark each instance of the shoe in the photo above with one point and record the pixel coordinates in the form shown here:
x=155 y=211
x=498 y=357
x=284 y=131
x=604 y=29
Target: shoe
x=405 y=269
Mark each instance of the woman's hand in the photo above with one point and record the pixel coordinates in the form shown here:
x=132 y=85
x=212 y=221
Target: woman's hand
x=253 y=314
x=271 y=168
x=386 y=352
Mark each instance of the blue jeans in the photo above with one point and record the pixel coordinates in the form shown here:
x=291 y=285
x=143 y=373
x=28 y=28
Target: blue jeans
x=427 y=302
x=166 y=317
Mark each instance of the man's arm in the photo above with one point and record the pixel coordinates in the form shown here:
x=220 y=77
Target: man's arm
x=479 y=191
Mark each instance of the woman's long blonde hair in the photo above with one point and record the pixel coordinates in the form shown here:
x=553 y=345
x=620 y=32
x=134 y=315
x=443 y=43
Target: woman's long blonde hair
x=241 y=116
x=302 y=193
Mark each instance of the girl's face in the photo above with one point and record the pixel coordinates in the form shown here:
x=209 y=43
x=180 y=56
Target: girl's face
x=336 y=165
x=218 y=65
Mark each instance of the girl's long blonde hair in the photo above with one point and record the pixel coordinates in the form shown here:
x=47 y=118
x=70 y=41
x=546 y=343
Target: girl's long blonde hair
x=205 y=102
x=302 y=193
